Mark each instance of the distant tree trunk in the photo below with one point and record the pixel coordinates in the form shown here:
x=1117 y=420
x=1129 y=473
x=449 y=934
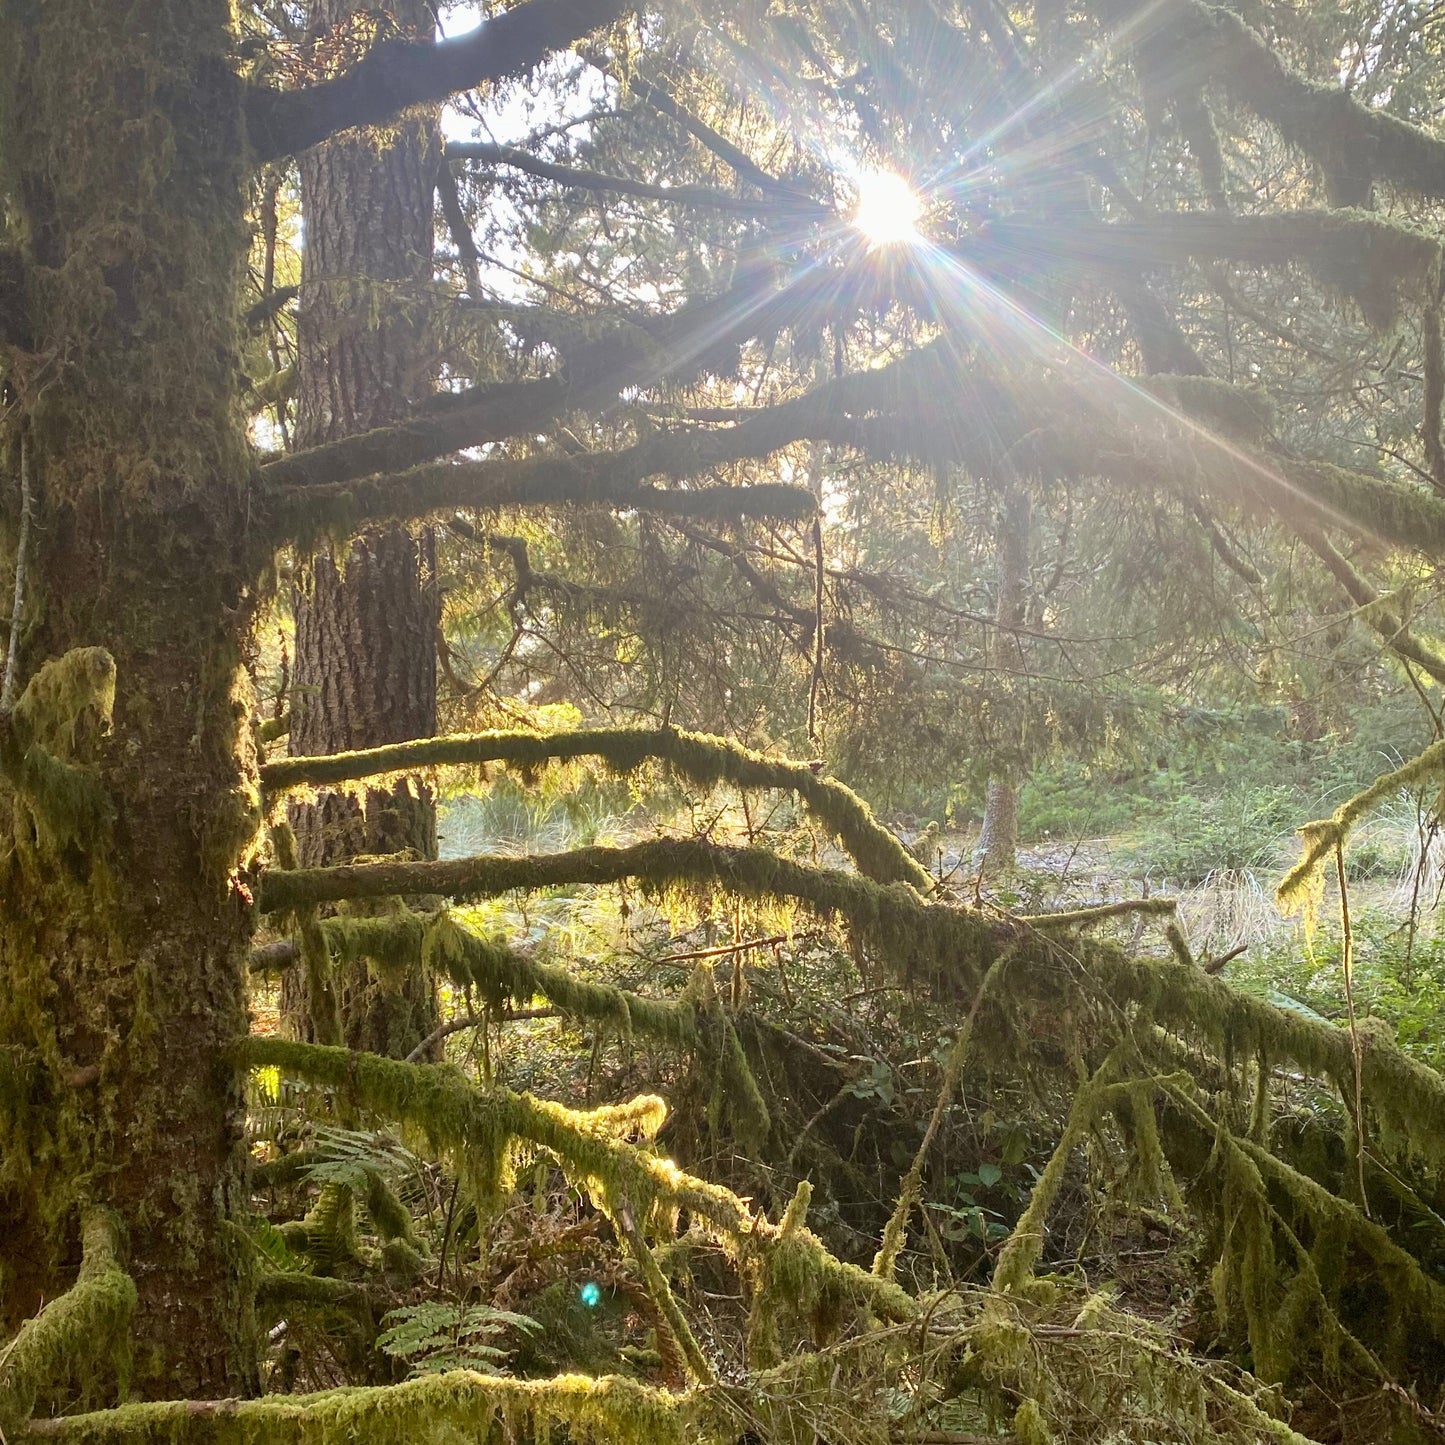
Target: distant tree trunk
x=122 y=945
x=366 y=620
x=999 y=836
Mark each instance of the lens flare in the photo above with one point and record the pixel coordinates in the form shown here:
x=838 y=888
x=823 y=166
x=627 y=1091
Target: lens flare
x=590 y=1294
x=888 y=209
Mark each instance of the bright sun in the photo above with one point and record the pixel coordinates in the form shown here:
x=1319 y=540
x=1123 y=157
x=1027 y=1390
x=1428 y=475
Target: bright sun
x=888 y=210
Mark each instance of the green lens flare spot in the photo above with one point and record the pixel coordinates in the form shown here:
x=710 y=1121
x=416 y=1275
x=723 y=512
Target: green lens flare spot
x=590 y=1294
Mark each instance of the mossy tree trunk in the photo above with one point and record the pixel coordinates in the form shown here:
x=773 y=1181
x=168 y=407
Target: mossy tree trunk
x=366 y=620
x=122 y=949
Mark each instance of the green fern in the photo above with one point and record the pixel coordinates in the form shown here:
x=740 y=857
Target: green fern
x=441 y=1335
x=350 y=1157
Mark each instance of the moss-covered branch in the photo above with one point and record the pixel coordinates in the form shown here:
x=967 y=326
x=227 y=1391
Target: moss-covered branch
x=950 y=944
x=85 y=1332
x=305 y=503
x=1302 y=883
x=1363 y=255
x=457 y=1405
x=504 y=976
x=610 y=479
x=399 y=74
x=323 y=1007
x=475 y=1127
x=696 y=757
x=1374 y=610
x=1356 y=144
x=600 y=356
x=694 y=1022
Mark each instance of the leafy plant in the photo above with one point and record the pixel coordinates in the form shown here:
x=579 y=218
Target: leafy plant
x=440 y=1335
x=350 y=1156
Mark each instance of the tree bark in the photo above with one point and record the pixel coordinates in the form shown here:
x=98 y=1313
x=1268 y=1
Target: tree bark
x=365 y=664
x=122 y=947
x=998 y=839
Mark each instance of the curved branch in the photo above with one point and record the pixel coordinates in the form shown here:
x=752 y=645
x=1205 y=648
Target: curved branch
x=397 y=74
x=461 y=1402
x=697 y=757
x=601 y=357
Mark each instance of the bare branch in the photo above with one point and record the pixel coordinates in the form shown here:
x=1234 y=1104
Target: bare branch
x=776 y=207
x=400 y=74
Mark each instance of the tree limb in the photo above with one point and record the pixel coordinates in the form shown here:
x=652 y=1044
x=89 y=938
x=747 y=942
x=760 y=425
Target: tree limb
x=695 y=756
x=612 y=480
x=75 y=1329
x=775 y=206
x=1356 y=144
x=399 y=74
x=619 y=352
x=948 y=943
x=1366 y=257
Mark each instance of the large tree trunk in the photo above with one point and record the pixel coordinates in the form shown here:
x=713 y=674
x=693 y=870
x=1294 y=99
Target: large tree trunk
x=122 y=947
x=365 y=666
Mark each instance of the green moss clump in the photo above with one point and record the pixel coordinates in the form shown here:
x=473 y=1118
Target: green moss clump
x=453 y=1407
x=62 y=803
x=83 y=1336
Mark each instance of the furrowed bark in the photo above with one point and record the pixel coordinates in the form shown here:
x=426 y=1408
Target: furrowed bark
x=123 y=950
x=367 y=612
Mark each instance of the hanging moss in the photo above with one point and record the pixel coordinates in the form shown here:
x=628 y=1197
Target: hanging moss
x=391 y=941
x=323 y=1006
x=1302 y=885
x=476 y=1128
x=81 y=1336
x=1014 y=1271
x=696 y=757
x=951 y=946
x=63 y=696
x=64 y=801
